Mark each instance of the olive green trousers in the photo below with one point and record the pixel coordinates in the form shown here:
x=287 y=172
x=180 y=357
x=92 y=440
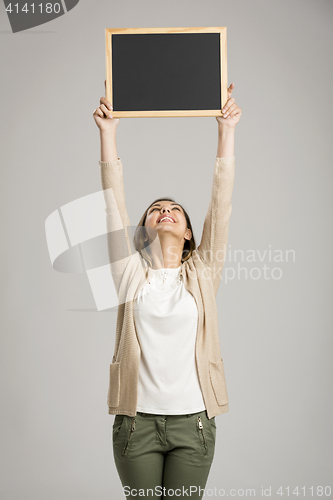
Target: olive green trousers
x=163 y=456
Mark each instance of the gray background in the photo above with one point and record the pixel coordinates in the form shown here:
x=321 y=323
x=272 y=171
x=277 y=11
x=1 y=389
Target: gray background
x=276 y=335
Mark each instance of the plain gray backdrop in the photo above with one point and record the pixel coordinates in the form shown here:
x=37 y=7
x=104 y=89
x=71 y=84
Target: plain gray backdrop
x=276 y=334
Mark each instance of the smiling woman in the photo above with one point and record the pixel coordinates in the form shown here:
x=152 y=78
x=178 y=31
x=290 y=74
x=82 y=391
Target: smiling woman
x=178 y=239
x=166 y=379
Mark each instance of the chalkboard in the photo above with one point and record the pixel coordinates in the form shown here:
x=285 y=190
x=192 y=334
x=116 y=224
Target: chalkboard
x=156 y=72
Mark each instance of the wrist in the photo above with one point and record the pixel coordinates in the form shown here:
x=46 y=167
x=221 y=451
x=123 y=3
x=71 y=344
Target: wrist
x=226 y=142
x=108 y=133
x=226 y=131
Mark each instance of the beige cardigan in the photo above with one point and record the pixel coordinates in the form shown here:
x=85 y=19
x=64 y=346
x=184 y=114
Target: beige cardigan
x=201 y=275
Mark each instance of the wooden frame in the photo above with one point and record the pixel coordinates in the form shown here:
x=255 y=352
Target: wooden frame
x=136 y=114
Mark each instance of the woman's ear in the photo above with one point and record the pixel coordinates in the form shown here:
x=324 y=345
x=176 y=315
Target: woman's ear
x=188 y=234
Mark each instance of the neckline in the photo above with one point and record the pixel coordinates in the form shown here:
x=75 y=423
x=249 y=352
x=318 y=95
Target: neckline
x=169 y=269
x=165 y=279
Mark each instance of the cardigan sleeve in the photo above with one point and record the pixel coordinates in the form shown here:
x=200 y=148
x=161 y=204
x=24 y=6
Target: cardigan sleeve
x=119 y=236
x=213 y=245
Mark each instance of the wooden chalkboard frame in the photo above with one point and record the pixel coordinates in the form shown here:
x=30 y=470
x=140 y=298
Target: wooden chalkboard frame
x=168 y=113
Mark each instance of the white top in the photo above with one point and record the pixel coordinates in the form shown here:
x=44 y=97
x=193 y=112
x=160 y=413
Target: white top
x=166 y=318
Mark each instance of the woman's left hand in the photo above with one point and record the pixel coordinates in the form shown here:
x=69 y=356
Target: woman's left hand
x=231 y=113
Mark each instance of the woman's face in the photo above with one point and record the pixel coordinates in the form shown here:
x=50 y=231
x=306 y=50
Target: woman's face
x=168 y=217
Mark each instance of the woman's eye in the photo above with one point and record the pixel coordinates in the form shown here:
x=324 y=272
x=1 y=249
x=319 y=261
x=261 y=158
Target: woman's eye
x=176 y=208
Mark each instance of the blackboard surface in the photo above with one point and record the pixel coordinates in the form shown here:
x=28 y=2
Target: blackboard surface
x=159 y=71
x=165 y=72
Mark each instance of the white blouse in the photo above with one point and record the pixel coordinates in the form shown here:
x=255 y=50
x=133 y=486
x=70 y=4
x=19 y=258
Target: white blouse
x=166 y=318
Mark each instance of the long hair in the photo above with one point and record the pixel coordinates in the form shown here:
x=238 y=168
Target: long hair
x=142 y=238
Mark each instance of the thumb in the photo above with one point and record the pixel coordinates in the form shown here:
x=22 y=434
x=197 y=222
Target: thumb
x=230 y=89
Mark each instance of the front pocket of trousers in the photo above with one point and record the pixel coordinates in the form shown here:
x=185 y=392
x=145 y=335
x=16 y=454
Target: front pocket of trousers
x=212 y=421
x=129 y=437
x=117 y=425
x=202 y=436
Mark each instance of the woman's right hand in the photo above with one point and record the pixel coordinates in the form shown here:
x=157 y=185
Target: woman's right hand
x=103 y=116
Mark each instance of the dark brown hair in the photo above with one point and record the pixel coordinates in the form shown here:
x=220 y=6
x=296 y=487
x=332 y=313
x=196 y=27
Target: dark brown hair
x=142 y=237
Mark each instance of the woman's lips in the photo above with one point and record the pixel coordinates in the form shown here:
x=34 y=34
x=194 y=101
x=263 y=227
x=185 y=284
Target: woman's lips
x=166 y=219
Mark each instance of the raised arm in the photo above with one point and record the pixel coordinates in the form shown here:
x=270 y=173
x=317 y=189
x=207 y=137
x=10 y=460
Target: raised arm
x=213 y=245
x=119 y=235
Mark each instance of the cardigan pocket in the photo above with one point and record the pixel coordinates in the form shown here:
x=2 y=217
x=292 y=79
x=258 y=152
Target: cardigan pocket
x=217 y=377
x=114 y=384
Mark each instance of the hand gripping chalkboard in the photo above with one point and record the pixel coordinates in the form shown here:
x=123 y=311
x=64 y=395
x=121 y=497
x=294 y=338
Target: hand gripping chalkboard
x=156 y=72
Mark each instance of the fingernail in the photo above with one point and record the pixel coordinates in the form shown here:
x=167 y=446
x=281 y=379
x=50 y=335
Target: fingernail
x=110 y=116
x=223 y=110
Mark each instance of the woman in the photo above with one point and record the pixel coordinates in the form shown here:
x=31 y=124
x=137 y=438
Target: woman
x=167 y=380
